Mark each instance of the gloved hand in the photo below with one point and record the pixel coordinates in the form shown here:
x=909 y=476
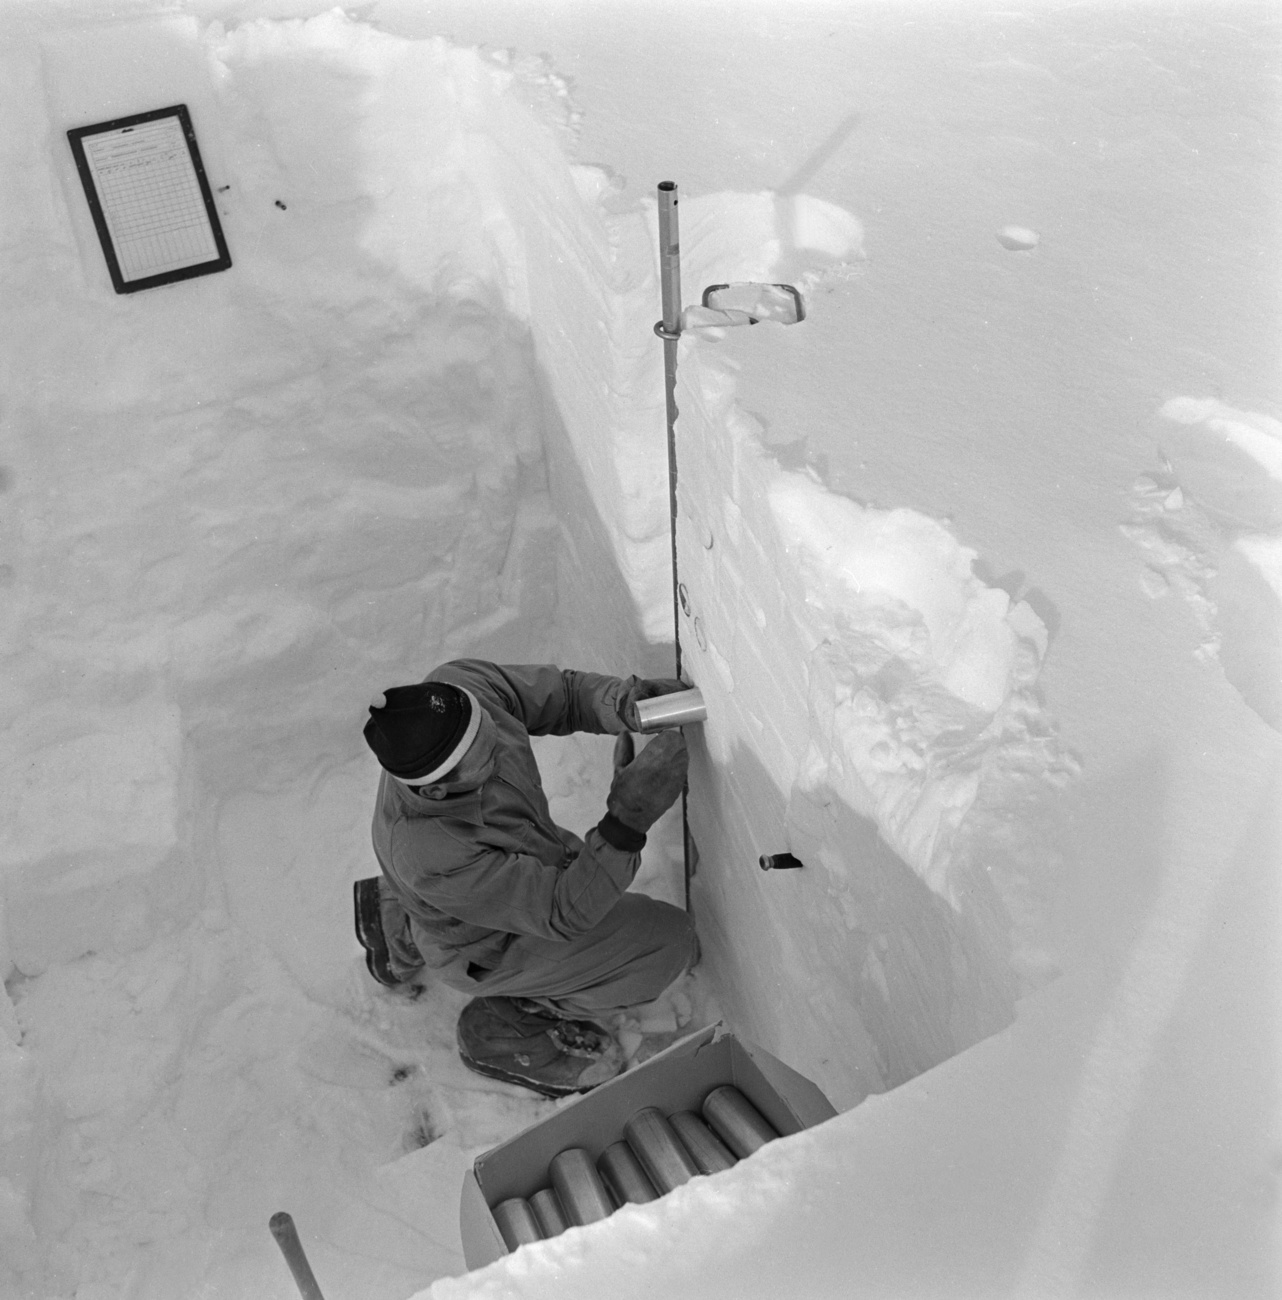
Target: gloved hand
x=645 y=689
x=649 y=785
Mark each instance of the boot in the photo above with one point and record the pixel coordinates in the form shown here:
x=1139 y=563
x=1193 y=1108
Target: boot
x=369 y=931
x=520 y=1042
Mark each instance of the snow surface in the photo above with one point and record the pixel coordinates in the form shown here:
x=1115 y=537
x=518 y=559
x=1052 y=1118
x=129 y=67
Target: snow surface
x=239 y=505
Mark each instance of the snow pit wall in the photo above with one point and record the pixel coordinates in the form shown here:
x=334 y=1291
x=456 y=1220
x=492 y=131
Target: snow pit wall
x=868 y=711
x=852 y=969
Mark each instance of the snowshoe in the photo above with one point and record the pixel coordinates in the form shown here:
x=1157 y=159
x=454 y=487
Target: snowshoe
x=369 y=931
x=521 y=1041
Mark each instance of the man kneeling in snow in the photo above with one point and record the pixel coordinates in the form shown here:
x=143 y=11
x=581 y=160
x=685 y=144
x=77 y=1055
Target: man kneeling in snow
x=480 y=886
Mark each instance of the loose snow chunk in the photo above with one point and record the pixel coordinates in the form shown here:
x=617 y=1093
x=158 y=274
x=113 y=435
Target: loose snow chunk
x=825 y=228
x=1260 y=436
x=1018 y=239
x=915 y=561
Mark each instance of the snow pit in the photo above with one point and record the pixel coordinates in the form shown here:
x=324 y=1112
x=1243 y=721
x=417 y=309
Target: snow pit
x=422 y=417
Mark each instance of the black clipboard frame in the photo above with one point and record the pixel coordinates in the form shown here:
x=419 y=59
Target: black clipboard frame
x=76 y=138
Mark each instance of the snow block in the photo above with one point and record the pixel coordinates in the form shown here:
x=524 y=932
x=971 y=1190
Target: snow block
x=678 y=1078
x=91 y=857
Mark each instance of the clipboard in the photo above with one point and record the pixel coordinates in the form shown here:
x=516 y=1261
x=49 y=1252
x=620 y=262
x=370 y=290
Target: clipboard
x=149 y=198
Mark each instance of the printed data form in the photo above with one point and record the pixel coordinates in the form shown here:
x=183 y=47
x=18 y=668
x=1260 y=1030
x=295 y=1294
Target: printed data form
x=151 y=198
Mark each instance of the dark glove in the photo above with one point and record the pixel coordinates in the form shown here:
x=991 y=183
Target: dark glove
x=644 y=790
x=645 y=689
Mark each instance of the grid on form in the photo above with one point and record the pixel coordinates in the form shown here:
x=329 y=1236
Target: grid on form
x=151 y=198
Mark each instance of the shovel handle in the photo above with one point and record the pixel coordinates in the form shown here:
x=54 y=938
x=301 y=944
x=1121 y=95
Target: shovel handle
x=282 y=1226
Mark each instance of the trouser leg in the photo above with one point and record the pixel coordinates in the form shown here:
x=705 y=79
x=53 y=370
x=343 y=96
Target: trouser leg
x=631 y=956
x=403 y=955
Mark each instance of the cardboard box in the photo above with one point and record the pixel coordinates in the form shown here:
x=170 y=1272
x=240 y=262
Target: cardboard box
x=676 y=1079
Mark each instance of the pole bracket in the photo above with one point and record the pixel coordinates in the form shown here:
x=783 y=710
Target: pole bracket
x=665 y=333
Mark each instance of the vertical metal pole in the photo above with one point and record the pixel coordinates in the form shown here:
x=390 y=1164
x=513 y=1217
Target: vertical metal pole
x=669 y=330
x=670 y=287
x=282 y=1228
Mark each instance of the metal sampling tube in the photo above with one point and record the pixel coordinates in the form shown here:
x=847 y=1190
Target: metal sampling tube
x=667 y=1163
x=548 y=1213
x=286 y=1234
x=673 y=710
x=517 y=1222
x=742 y=1127
x=579 y=1187
x=709 y=1153
x=623 y=1175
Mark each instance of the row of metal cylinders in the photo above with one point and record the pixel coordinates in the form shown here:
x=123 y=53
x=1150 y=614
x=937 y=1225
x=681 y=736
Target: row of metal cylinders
x=657 y=1154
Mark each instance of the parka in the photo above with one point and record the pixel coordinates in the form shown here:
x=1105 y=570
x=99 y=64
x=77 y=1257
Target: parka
x=478 y=868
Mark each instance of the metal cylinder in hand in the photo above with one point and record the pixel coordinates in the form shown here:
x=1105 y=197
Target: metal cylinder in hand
x=709 y=1152
x=579 y=1187
x=548 y=1213
x=673 y=710
x=622 y=1174
x=666 y=1162
x=517 y=1222
x=739 y=1124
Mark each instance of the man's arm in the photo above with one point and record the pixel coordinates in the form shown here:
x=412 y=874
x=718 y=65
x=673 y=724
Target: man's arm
x=549 y=701
x=519 y=893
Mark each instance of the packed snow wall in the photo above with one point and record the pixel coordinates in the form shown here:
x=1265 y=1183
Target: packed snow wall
x=871 y=702
x=421 y=417
x=237 y=506
x=873 y=717
x=259 y=471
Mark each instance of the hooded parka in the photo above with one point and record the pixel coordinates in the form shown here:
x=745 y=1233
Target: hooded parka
x=477 y=869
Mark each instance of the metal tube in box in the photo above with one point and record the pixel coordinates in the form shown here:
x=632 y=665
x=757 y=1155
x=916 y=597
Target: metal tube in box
x=709 y=1152
x=622 y=1174
x=667 y=1163
x=548 y=1212
x=579 y=1188
x=737 y=1121
x=517 y=1222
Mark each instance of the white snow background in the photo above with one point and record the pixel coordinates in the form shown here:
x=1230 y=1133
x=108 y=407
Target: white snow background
x=235 y=508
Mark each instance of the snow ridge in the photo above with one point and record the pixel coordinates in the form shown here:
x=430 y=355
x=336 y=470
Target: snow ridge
x=1209 y=524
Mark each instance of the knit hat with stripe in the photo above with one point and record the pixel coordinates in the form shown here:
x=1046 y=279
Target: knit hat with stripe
x=419 y=733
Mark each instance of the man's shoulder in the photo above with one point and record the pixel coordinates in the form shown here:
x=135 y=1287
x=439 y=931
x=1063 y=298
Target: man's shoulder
x=479 y=676
x=511 y=688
